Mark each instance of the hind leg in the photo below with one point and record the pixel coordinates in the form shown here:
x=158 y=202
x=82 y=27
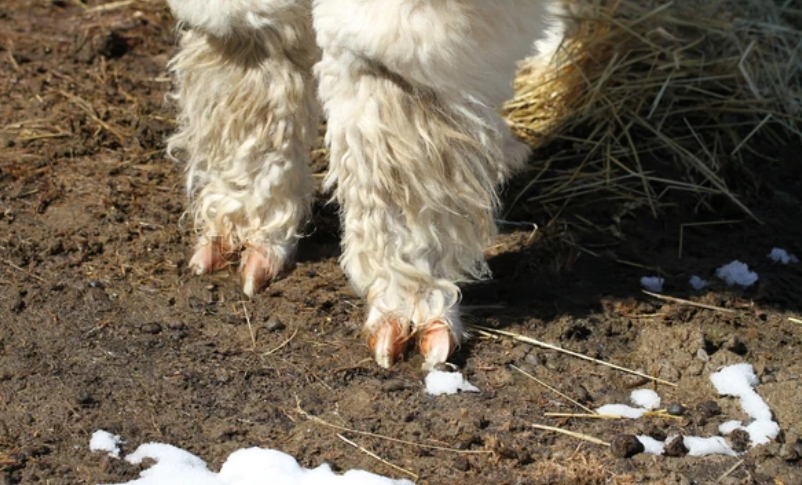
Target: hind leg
x=248 y=117
x=417 y=151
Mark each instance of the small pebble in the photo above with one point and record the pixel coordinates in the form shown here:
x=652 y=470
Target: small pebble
x=196 y=304
x=676 y=447
x=535 y=358
x=632 y=381
x=84 y=398
x=676 y=409
x=581 y=394
x=461 y=464
x=708 y=409
x=151 y=328
x=96 y=284
x=523 y=456
x=656 y=432
x=273 y=324
x=465 y=440
x=735 y=345
x=738 y=440
x=519 y=353
x=233 y=319
x=790 y=452
x=394 y=386
x=626 y=446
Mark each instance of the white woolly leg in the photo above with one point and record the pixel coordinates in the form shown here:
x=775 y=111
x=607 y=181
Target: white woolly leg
x=248 y=119
x=417 y=150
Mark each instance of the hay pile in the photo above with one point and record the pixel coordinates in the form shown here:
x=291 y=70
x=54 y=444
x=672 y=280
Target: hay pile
x=645 y=98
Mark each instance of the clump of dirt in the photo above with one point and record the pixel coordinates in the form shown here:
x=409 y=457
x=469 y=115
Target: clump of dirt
x=105 y=328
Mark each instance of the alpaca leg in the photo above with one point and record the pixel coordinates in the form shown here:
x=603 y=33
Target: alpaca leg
x=417 y=151
x=248 y=117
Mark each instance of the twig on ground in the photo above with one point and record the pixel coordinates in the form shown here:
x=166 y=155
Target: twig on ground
x=662 y=413
x=688 y=302
x=21 y=270
x=322 y=422
x=555 y=391
x=529 y=340
x=573 y=434
x=281 y=345
x=250 y=327
x=729 y=471
x=377 y=457
x=109 y=6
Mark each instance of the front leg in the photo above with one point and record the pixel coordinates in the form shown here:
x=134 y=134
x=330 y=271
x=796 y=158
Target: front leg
x=248 y=117
x=417 y=150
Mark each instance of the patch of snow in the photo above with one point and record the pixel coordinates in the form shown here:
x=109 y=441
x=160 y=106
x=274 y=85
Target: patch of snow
x=698 y=283
x=645 y=398
x=105 y=441
x=621 y=410
x=729 y=426
x=737 y=273
x=652 y=283
x=715 y=445
x=781 y=256
x=762 y=432
x=738 y=381
x=651 y=446
x=249 y=466
x=440 y=382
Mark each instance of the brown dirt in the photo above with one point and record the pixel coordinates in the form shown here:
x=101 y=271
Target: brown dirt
x=103 y=327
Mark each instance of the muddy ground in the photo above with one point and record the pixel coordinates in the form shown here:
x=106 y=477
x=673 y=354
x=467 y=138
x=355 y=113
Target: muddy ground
x=103 y=327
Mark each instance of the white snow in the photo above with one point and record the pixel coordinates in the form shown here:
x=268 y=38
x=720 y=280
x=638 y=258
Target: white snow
x=621 y=410
x=730 y=426
x=651 y=446
x=781 y=256
x=652 y=283
x=698 y=283
x=248 y=466
x=737 y=273
x=738 y=381
x=440 y=382
x=645 y=398
x=105 y=441
x=714 y=445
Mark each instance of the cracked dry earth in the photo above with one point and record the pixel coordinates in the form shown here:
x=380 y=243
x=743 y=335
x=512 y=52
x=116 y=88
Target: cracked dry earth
x=104 y=327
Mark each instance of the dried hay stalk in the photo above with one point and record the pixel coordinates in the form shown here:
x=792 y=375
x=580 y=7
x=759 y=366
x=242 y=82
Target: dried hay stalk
x=696 y=82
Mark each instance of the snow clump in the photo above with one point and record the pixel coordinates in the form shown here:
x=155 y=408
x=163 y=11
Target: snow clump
x=439 y=382
x=247 y=466
x=652 y=283
x=105 y=441
x=698 y=283
x=737 y=273
x=781 y=256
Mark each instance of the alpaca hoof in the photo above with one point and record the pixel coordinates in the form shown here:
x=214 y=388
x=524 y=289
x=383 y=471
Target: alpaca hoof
x=436 y=343
x=258 y=268
x=211 y=254
x=388 y=341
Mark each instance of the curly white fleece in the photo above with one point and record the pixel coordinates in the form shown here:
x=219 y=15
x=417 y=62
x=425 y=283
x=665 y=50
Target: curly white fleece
x=411 y=90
